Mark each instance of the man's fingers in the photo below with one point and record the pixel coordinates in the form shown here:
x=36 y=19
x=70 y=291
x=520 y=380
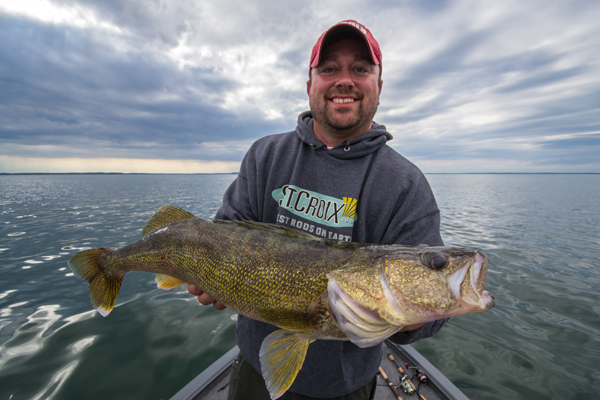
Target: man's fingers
x=195 y=290
x=204 y=298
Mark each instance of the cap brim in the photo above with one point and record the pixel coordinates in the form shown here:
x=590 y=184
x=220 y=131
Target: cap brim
x=338 y=32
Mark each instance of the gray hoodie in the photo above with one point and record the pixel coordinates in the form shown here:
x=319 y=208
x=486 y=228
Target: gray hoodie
x=361 y=190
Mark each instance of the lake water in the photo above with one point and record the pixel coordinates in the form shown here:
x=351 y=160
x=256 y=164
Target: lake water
x=541 y=341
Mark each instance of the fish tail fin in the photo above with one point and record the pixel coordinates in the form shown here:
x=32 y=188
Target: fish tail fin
x=90 y=266
x=282 y=354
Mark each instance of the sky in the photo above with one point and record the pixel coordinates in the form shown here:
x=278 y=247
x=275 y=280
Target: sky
x=186 y=86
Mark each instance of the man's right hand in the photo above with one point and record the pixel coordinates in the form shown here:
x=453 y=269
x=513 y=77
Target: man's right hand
x=204 y=298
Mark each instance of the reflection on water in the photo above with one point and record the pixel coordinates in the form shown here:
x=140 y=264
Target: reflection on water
x=541 y=341
x=51 y=343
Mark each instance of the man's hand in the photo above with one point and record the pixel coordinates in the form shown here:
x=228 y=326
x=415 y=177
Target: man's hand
x=204 y=298
x=410 y=327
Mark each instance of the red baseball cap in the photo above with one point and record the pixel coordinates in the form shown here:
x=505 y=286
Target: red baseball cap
x=347 y=28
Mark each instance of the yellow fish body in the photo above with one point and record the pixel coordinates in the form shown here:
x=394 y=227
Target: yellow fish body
x=309 y=287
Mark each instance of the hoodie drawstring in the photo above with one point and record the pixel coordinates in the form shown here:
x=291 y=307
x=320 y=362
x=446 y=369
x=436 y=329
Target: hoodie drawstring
x=347 y=145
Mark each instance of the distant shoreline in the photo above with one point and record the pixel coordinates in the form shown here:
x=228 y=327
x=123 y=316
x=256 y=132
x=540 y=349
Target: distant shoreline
x=115 y=173
x=235 y=173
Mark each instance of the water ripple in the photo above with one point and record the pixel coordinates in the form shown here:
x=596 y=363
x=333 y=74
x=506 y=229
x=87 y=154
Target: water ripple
x=541 y=232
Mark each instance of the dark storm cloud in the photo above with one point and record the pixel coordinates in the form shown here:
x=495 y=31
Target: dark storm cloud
x=463 y=80
x=62 y=86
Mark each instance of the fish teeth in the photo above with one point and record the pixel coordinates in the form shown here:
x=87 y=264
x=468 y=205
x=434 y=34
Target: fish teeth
x=456 y=279
x=474 y=298
x=476 y=270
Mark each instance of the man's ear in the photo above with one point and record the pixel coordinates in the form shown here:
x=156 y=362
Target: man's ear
x=308 y=87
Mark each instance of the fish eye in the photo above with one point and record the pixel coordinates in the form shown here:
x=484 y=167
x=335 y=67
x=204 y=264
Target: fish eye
x=435 y=261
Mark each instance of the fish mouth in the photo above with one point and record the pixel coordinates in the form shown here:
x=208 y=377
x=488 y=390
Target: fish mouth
x=473 y=295
x=363 y=326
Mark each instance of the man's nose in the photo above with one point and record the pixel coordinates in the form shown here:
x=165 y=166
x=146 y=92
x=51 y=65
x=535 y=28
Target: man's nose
x=344 y=78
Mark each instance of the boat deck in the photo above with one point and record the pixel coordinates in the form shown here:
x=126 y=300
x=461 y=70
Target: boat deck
x=212 y=384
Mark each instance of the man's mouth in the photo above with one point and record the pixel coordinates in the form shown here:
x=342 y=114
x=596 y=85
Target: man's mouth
x=340 y=100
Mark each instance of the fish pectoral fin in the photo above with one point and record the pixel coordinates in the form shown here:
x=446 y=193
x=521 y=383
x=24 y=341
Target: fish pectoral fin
x=282 y=354
x=166 y=215
x=167 y=282
x=291 y=319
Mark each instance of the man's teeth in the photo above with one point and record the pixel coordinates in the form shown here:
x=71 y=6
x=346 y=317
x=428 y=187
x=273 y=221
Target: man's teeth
x=346 y=100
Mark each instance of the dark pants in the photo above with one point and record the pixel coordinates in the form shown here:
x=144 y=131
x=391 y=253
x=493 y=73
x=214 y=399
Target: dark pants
x=246 y=383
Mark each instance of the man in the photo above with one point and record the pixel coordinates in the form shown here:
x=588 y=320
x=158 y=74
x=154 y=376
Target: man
x=333 y=177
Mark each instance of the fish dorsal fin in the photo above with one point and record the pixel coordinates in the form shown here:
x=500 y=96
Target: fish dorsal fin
x=281 y=355
x=166 y=215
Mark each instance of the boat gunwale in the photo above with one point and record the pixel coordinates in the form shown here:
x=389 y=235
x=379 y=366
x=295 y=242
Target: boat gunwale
x=208 y=376
x=443 y=385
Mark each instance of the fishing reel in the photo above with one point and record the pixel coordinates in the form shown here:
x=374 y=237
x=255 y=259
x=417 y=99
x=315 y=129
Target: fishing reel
x=420 y=375
x=406 y=385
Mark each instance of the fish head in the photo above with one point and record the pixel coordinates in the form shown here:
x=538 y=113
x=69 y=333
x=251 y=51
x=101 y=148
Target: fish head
x=446 y=281
x=406 y=285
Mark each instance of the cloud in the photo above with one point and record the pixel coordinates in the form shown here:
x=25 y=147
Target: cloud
x=463 y=80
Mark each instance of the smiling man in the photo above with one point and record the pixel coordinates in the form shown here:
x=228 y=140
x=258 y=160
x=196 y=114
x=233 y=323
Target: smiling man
x=334 y=177
x=344 y=90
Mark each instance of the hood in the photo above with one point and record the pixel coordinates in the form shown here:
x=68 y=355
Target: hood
x=365 y=144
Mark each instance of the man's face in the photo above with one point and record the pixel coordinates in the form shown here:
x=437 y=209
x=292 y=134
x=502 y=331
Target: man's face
x=344 y=89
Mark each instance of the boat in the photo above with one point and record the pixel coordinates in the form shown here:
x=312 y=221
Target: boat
x=212 y=383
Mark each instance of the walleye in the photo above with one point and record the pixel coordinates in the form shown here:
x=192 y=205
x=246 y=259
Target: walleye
x=311 y=288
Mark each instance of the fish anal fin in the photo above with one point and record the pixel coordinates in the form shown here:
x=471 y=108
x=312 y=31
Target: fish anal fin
x=291 y=320
x=282 y=354
x=90 y=266
x=167 y=282
x=166 y=215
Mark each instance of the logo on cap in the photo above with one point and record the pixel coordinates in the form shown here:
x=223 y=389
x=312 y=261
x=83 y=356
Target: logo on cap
x=356 y=25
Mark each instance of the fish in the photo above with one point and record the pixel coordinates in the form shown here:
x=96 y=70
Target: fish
x=311 y=288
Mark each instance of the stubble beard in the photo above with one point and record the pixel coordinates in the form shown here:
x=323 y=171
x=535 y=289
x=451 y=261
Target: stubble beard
x=341 y=121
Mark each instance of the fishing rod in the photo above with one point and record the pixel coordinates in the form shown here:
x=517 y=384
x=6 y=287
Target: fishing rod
x=382 y=372
x=405 y=382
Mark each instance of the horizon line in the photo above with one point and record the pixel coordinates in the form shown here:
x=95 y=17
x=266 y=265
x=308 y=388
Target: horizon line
x=232 y=173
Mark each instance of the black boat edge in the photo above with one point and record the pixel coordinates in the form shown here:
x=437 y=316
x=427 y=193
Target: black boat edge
x=211 y=384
